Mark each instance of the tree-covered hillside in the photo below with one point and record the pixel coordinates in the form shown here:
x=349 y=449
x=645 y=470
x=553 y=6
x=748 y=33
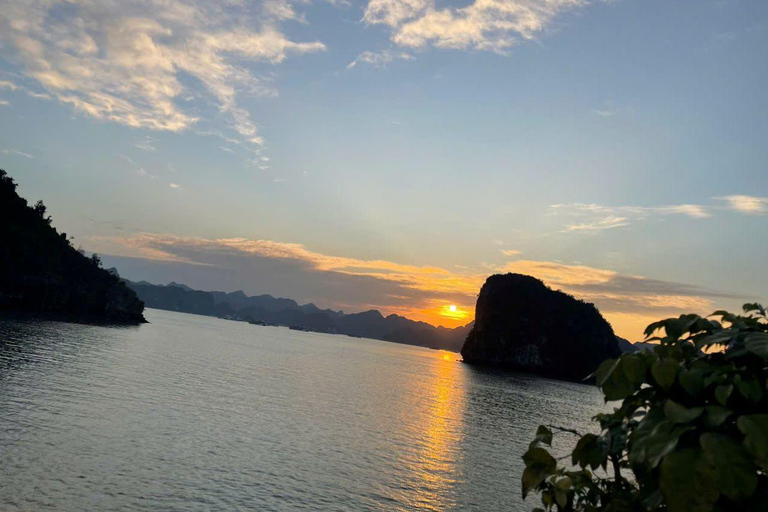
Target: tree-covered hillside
x=41 y=272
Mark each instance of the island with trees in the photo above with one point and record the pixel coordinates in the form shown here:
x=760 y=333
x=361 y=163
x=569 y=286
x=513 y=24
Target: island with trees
x=42 y=273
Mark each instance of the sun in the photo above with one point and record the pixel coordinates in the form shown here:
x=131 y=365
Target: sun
x=453 y=312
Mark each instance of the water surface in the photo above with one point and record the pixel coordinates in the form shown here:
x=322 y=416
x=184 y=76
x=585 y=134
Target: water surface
x=193 y=413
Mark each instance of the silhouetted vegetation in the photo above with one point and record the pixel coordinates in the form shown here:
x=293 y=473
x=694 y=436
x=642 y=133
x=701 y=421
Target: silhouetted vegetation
x=41 y=272
x=690 y=435
x=521 y=324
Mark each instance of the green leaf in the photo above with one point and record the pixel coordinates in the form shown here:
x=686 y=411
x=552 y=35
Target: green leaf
x=691 y=380
x=714 y=415
x=723 y=392
x=624 y=377
x=677 y=413
x=539 y=464
x=604 y=370
x=757 y=343
x=735 y=473
x=755 y=429
x=687 y=481
x=561 y=491
x=543 y=435
x=588 y=452
x=664 y=371
x=654 y=438
x=749 y=387
x=723 y=337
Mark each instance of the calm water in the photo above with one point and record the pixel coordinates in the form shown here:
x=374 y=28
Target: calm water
x=197 y=413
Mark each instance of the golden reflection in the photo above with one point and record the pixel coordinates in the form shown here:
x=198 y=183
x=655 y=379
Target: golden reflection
x=436 y=466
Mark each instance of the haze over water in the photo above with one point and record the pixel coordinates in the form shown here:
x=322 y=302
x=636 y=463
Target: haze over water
x=197 y=413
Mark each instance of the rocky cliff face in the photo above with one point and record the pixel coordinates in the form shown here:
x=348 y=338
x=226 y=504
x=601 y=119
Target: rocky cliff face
x=520 y=324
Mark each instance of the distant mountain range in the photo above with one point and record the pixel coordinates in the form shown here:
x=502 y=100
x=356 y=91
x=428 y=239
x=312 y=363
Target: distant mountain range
x=266 y=309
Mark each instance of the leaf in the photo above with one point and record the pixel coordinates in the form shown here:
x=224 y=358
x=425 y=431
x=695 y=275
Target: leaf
x=714 y=415
x=677 y=327
x=664 y=371
x=604 y=370
x=757 y=343
x=588 y=452
x=539 y=464
x=654 y=438
x=749 y=387
x=691 y=380
x=755 y=429
x=754 y=307
x=543 y=435
x=723 y=337
x=687 y=481
x=561 y=491
x=624 y=377
x=723 y=392
x=735 y=473
x=677 y=413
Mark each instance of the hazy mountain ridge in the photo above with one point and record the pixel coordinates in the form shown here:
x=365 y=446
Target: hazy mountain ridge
x=287 y=312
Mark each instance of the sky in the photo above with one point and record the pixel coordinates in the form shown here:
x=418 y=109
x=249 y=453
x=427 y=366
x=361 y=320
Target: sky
x=392 y=154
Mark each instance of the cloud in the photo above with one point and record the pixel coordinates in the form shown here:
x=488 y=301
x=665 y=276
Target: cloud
x=600 y=224
x=380 y=59
x=4 y=102
x=749 y=205
x=9 y=151
x=599 y=217
x=493 y=25
x=131 y=61
x=175 y=186
x=417 y=291
x=146 y=144
x=39 y=95
x=511 y=252
x=5 y=84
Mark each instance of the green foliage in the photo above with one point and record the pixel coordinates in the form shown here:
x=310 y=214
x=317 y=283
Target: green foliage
x=689 y=435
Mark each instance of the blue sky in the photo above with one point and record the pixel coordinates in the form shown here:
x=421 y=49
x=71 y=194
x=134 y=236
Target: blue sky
x=393 y=153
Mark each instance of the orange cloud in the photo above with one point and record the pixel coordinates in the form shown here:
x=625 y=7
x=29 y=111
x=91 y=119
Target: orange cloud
x=427 y=292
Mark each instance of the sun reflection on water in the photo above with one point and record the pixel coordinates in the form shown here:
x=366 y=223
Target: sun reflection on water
x=435 y=467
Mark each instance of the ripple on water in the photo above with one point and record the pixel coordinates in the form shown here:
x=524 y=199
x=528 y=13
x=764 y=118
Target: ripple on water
x=193 y=413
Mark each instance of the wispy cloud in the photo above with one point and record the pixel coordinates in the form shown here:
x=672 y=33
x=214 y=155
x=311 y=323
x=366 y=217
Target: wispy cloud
x=5 y=84
x=601 y=224
x=146 y=143
x=749 y=205
x=603 y=112
x=4 y=102
x=125 y=61
x=493 y=25
x=11 y=151
x=596 y=217
x=511 y=252
x=379 y=59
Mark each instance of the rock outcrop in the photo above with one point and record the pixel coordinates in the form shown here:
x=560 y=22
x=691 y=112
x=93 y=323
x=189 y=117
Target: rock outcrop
x=522 y=325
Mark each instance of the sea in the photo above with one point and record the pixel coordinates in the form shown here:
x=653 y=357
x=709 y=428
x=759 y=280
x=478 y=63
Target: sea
x=194 y=413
